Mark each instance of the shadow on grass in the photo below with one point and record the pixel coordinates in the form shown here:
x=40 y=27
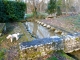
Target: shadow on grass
x=72 y=56
x=8 y=28
x=21 y=35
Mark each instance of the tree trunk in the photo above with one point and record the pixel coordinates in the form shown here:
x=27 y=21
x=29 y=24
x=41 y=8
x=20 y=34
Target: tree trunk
x=5 y=29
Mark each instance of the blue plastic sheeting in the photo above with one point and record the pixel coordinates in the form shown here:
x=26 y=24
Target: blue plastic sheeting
x=41 y=41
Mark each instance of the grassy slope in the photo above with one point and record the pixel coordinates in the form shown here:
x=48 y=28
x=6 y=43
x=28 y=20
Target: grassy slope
x=4 y=43
x=74 y=21
x=26 y=36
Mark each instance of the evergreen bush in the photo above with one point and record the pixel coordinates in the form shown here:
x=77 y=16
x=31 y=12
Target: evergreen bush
x=51 y=8
x=12 y=11
x=59 y=11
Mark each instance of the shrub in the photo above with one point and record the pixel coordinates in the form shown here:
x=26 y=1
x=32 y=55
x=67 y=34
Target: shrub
x=11 y=11
x=51 y=8
x=59 y=11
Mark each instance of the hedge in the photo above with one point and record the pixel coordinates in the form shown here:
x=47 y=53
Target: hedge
x=11 y=11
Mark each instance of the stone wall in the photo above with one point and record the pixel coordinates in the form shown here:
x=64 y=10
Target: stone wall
x=68 y=44
x=71 y=44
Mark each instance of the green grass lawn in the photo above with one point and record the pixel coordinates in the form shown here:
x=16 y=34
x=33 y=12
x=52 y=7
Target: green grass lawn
x=61 y=53
x=2 y=54
x=52 y=58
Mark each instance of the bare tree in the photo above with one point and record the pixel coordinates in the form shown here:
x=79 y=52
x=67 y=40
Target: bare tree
x=39 y=4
